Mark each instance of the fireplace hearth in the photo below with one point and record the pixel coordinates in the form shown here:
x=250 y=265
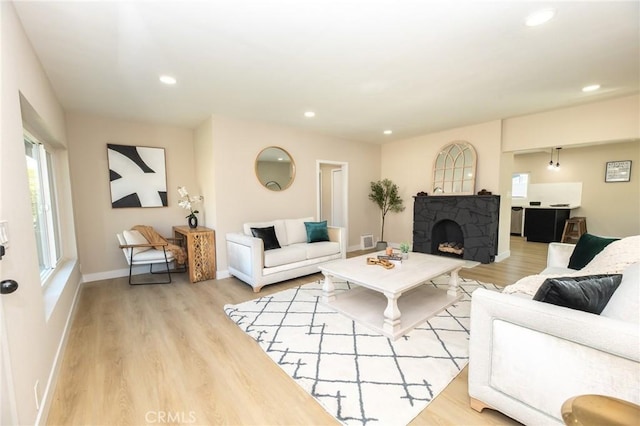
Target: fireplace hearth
x=463 y=226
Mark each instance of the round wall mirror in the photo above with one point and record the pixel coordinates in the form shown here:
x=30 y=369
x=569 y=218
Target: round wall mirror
x=275 y=168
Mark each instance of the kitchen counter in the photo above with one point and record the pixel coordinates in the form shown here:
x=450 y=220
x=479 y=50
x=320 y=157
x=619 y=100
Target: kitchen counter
x=526 y=205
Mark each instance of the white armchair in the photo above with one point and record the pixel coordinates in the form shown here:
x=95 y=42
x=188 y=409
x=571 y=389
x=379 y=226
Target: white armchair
x=138 y=251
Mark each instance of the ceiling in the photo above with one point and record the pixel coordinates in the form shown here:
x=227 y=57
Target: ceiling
x=413 y=67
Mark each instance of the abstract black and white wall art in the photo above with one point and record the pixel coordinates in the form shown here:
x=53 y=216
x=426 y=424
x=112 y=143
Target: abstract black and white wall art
x=137 y=176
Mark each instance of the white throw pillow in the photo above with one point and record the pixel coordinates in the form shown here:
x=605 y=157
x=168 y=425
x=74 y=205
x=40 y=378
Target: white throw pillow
x=135 y=237
x=625 y=303
x=296 y=231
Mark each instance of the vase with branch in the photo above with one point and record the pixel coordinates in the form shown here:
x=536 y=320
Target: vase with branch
x=187 y=202
x=384 y=193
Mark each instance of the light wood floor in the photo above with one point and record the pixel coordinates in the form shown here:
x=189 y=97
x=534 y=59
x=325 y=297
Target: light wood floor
x=167 y=354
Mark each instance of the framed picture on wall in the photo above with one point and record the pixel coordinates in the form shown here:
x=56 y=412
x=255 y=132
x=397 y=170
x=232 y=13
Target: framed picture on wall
x=618 y=171
x=137 y=176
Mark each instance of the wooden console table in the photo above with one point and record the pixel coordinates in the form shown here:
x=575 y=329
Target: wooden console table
x=201 y=251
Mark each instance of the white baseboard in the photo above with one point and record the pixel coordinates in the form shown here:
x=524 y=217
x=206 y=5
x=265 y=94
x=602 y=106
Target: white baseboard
x=106 y=275
x=49 y=390
x=117 y=273
x=502 y=256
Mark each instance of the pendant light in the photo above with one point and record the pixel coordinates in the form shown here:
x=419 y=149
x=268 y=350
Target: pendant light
x=555 y=166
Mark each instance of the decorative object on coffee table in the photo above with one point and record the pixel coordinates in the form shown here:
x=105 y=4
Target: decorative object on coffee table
x=404 y=249
x=384 y=193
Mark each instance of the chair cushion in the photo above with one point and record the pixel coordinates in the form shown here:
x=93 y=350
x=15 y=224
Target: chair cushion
x=316 y=231
x=135 y=237
x=589 y=293
x=296 y=231
x=625 y=302
x=587 y=247
x=268 y=237
x=152 y=256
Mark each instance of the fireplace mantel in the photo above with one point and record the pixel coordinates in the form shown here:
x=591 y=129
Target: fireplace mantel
x=476 y=215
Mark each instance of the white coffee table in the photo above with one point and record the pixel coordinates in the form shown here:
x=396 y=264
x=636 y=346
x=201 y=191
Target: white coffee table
x=377 y=303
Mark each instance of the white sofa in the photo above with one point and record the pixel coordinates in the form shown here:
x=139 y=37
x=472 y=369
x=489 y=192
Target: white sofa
x=249 y=262
x=526 y=358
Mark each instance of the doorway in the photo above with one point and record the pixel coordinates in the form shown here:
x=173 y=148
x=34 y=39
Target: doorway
x=333 y=193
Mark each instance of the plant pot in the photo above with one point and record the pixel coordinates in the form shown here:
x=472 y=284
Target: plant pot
x=405 y=256
x=381 y=245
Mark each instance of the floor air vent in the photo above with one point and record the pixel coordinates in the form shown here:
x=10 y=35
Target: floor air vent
x=366 y=242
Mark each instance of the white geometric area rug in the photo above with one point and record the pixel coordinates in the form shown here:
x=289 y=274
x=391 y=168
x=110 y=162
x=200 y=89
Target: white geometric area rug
x=359 y=376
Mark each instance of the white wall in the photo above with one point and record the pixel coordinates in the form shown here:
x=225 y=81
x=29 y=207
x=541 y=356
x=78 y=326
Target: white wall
x=96 y=221
x=239 y=197
x=611 y=209
x=35 y=319
x=409 y=164
x=612 y=120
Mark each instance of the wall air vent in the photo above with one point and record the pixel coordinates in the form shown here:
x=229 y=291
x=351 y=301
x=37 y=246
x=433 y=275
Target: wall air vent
x=366 y=242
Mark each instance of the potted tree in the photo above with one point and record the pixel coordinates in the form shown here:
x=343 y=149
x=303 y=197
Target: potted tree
x=385 y=194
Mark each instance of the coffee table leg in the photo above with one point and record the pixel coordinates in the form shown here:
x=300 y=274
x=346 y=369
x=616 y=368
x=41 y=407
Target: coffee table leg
x=391 y=315
x=454 y=290
x=328 y=289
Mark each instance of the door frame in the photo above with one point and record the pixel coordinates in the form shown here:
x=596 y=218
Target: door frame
x=333 y=197
x=344 y=166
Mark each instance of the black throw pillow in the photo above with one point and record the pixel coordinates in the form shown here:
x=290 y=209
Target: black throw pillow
x=268 y=236
x=590 y=293
x=587 y=247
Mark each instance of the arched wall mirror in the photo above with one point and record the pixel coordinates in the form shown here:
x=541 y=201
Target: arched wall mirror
x=454 y=170
x=275 y=168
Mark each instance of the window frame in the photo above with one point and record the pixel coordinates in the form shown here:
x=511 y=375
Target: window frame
x=47 y=230
x=526 y=185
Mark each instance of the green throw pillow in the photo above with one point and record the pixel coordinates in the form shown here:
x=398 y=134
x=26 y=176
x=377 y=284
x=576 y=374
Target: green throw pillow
x=587 y=248
x=317 y=231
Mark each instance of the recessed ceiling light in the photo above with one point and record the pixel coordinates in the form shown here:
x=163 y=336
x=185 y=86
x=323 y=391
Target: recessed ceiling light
x=309 y=114
x=591 y=88
x=167 y=79
x=387 y=132
x=539 y=17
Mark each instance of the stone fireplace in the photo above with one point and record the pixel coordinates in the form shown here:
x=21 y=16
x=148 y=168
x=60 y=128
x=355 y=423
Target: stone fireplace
x=463 y=226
